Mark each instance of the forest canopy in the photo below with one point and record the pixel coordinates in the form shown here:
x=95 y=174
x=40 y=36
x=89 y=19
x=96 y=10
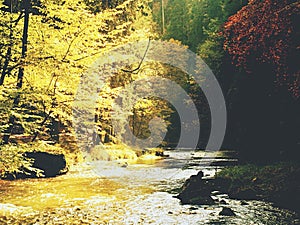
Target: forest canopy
x=47 y=46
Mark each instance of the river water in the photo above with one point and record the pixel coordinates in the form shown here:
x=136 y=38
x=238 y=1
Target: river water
x=141 y=192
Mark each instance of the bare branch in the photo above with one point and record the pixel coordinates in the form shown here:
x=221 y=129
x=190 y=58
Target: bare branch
x=140 y=64
x=84 y=57
x=72 y=41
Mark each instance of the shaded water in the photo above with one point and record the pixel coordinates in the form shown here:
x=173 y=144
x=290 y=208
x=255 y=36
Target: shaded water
x=141 y=193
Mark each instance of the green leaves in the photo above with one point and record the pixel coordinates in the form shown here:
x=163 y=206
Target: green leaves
x=198 y=24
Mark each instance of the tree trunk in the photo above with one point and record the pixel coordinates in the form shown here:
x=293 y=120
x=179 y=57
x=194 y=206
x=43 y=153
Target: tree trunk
x=6 y=62
x=24 y=43
x=12 y=118
x=8 y=53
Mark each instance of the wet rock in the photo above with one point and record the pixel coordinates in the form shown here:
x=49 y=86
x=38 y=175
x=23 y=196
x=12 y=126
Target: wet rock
x=50 y=165
x=196 y=191
x=159 y=153
x=124 y=165
x=244 y=203
x=227 y=212
x=215 y=193
x=223 y=202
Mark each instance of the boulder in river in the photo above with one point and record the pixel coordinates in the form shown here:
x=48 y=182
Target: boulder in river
x=223 y=202
x=50 y=165
x=227 y=212
x=196 y=191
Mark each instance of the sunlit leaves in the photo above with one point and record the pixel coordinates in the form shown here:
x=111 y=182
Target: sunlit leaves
x=64 y=39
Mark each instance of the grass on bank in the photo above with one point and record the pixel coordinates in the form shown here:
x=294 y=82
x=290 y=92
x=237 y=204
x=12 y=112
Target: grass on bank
x=278 y=183
x=250 y=173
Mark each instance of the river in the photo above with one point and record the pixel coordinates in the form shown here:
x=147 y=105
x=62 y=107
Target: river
x=141 y=192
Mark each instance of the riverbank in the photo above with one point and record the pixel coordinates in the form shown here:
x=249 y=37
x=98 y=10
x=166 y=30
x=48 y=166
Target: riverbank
x=277 y=183
x=34 y=160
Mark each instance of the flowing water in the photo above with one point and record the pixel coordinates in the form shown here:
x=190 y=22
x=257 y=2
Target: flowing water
x=141 y=192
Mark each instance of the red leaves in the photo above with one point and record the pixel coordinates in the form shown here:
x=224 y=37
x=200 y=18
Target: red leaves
x=264 y=32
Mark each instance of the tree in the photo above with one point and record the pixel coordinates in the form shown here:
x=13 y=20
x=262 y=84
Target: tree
x=9 y=48
x=210 y=46
x=64 y=39
x=12 y=118
x=177 y=21
x=262 y=41
x=132 y=111
x=267 y=33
